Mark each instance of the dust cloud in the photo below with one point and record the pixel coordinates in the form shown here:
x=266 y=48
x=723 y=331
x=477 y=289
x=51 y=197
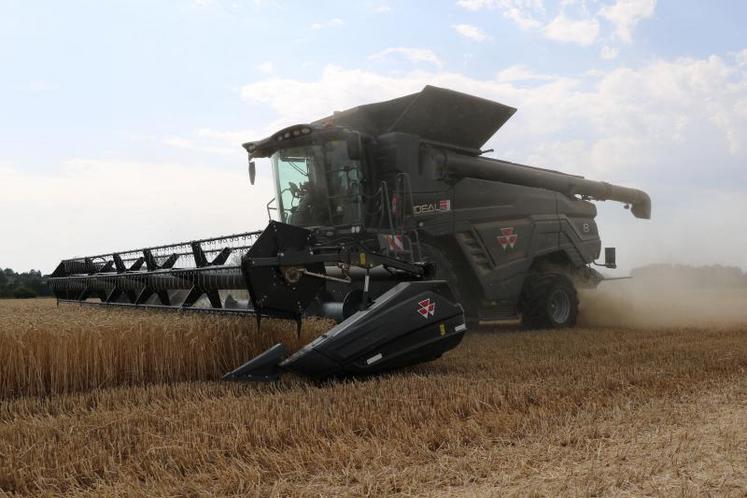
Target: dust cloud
x=667 y=296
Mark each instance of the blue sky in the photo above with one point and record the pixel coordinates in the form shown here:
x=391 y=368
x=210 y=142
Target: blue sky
x=115 y=117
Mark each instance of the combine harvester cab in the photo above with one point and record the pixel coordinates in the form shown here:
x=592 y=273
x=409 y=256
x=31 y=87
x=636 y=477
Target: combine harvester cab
x=389 y=221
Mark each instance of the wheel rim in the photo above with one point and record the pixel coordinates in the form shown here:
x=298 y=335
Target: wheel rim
x=559 y=306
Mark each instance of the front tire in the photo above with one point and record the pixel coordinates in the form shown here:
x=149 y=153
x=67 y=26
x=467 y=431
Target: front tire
x=548 y=300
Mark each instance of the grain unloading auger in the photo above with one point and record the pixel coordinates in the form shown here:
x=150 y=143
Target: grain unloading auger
x=390 y=222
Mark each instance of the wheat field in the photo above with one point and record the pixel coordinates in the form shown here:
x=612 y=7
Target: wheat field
x=594 y=411
x=48 y=349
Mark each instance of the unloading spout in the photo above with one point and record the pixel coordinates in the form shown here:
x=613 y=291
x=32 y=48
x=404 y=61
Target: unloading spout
x=465 y=166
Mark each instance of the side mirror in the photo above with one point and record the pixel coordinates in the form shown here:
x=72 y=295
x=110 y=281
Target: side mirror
x=610 y=257
x=252 y=172
x=354 y=146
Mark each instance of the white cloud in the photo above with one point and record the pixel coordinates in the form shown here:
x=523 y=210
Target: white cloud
x=676 y=128
x=266 y=68
x=41 y=86
x=476 y=4
x=381 y=9
x=411 y=54
x=626 y=14
x=330 y=23
x=191 y=145
x=653 y=102
x=471 y=32
x=571 y=20
x=214 y=142
x=521 y=73
x=521 y=18
x=523 y=13
x=227 y=136
x=233 y=4
x=580 y=31
x=297 y=101
x=161 y=202
x=741 y=57
x=608 y=53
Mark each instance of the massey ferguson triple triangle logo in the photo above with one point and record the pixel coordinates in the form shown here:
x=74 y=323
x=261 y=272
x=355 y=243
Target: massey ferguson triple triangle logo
x=426 y=308
x=507 y=239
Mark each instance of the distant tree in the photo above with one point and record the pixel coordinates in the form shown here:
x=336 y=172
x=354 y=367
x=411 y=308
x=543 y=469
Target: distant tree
x=24 y=285
x=692 y=277
x=24 y=293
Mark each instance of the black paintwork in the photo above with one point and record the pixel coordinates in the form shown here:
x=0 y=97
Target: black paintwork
x=392 y=332
x=423 y=181
x=263 y=368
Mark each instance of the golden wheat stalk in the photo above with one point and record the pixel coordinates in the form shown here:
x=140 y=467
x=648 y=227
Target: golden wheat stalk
x=48 y=350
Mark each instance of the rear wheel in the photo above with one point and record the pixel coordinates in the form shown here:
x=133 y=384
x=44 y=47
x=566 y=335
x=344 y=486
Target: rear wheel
x=548 y=300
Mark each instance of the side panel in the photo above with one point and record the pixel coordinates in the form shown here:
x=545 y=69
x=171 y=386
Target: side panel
x=579 y=236
x=501 y=230
x=511 y=246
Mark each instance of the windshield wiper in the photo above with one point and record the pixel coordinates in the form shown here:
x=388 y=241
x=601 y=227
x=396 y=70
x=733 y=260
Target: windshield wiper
x=298 y=168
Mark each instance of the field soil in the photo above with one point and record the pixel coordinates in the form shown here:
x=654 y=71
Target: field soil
x=654 y=409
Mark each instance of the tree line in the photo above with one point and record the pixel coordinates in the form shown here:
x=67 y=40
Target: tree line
x=692 y=277
x=22 y=285
x=32 y=284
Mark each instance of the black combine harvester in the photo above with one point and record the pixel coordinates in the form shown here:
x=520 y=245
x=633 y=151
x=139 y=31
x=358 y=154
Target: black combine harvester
x=390 y=221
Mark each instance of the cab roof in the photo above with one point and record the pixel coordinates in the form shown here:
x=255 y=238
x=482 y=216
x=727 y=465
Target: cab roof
x=435 y=114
